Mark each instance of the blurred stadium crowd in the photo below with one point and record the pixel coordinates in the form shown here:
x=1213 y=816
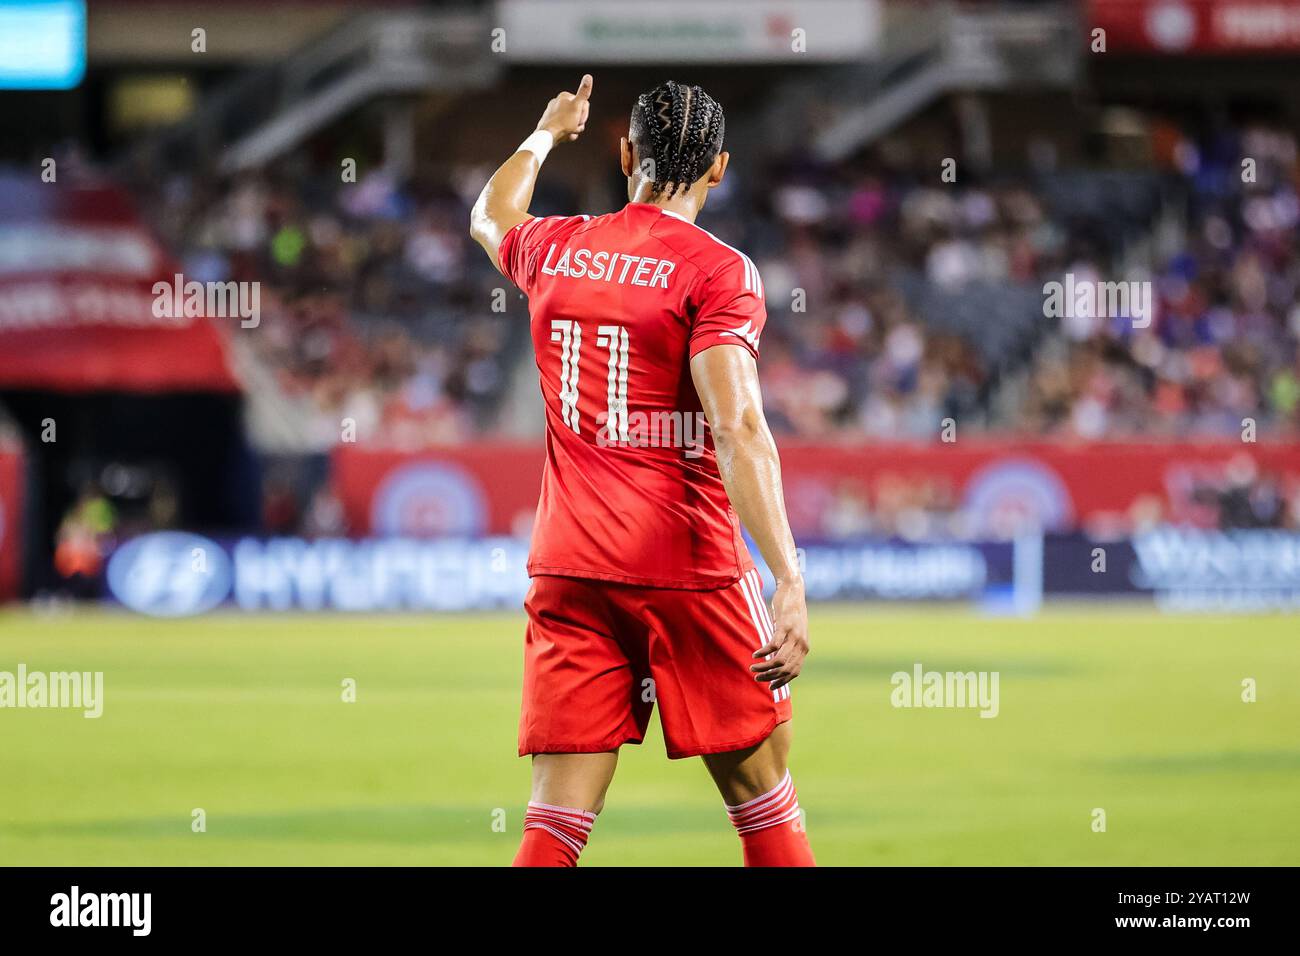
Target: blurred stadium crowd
x=370 y=310
x=376 y=308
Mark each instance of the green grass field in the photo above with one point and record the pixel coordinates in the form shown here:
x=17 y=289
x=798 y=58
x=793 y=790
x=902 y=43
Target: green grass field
x=242 y=716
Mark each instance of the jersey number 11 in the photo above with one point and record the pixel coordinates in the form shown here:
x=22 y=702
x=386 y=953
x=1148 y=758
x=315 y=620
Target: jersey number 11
x=611 y=337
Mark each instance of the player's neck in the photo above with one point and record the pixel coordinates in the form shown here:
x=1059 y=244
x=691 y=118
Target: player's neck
x=685 y=204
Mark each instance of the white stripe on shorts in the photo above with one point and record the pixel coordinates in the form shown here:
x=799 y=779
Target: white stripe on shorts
x=752 y=587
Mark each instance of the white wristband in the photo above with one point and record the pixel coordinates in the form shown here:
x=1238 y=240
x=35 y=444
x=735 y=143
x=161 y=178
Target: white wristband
x=539 y=143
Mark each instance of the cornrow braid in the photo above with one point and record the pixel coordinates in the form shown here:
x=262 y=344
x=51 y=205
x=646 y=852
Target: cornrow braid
x=677 y=132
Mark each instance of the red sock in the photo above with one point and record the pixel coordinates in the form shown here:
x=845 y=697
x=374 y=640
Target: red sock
x=553 y=836
x=771 y=828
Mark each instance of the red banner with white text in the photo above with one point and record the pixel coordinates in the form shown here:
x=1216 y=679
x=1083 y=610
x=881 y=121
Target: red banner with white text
x=78 y=278
x=1205 y=27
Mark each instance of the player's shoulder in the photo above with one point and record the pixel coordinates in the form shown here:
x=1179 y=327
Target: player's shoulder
x=716 y=259
x=556 y=225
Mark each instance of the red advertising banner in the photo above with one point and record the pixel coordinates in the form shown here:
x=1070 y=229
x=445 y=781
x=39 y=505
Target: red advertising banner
x=476 y=489
x=977 y=489
x=1215 y=27
x=11 y=511
x=78 y=272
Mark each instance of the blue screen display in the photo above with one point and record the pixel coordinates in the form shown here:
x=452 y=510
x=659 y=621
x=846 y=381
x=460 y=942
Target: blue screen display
x=42 y=44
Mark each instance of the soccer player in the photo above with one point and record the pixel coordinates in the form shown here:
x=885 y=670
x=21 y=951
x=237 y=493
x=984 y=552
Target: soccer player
x=643 y=590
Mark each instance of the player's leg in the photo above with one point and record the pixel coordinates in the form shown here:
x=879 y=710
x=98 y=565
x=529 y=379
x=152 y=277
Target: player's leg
x=574 y=780
x=568 y=792
x=711 y=706
x=761 y=801
x=743 y=775
x=579 y=706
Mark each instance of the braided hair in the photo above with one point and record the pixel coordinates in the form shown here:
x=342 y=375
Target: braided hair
x=676 y=131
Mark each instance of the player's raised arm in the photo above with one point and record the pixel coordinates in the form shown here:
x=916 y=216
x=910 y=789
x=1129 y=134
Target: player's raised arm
x=726 y=379
x=504 y=201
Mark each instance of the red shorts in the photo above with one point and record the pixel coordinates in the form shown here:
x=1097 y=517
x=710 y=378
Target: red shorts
x=598 y=655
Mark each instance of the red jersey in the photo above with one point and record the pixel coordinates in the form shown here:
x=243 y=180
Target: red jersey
x=619 y=305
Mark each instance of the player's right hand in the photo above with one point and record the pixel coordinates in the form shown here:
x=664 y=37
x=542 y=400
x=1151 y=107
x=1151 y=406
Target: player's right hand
x=565 y=117
x=789 y=645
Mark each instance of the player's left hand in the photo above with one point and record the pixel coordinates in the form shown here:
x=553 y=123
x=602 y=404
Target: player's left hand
x=789 y=645
x=565 y=116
